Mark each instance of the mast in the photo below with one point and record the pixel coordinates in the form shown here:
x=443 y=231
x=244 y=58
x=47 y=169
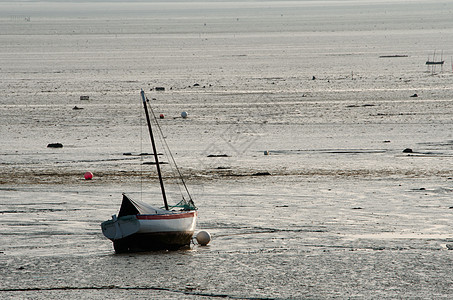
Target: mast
x=156 y=159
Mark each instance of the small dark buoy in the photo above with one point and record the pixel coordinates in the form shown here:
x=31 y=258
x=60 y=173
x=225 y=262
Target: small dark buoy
x=161 y=116
x=314 y=78
x=218 y=155
x=55 y=145
x=262 y=174
x=407 y=150
x=154 y=163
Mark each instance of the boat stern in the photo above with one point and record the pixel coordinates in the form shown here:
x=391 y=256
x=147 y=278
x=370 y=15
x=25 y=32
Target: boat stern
x=118 y=228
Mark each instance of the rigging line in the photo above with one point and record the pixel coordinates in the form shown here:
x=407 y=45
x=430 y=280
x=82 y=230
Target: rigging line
x=170 y=154
x=161 y=139
x=167 y=152
x=141 y=156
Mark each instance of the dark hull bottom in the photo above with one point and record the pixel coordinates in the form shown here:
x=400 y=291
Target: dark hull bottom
x=140 y=242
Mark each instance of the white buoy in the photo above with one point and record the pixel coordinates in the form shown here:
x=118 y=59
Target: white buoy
x=203 y=238
x=184 y=115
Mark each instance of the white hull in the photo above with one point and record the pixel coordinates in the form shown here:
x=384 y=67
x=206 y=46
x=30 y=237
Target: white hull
x=184 y=222
x=151 y=231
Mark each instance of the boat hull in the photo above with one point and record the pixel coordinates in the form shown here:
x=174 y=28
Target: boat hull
x=170 y=231
x=140 y=242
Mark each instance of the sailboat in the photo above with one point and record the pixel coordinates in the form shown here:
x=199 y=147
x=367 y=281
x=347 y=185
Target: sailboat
x=142 y=227
x=434 y=62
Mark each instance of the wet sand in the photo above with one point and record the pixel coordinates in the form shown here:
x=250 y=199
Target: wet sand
x=292 y=148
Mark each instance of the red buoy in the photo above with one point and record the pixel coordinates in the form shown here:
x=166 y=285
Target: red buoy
x=88 y=175
x=161 y=116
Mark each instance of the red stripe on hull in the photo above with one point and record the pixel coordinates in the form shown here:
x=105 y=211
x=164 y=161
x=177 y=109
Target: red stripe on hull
x=167 y=216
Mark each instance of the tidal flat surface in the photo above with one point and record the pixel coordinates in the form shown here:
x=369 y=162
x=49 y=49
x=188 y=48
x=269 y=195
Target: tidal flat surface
x=298 y=115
